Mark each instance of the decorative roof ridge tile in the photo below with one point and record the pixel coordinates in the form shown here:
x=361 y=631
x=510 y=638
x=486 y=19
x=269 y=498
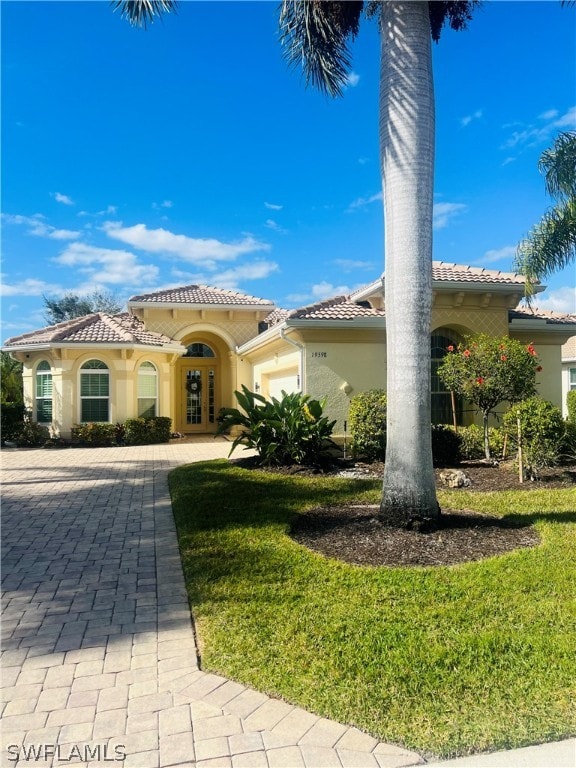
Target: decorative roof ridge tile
x=111 y=322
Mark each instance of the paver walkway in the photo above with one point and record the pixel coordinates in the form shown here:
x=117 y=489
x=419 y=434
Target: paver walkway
x=99 y=658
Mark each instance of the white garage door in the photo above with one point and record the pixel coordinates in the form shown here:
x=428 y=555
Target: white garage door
x=284 y=381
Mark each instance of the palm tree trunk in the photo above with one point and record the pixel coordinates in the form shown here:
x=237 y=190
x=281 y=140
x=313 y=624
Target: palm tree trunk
x=407 y=156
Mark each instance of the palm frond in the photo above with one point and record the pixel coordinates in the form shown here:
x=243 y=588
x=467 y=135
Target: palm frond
x=550 y=245
x=141 y=12
x=315 y=36
x=558 y=164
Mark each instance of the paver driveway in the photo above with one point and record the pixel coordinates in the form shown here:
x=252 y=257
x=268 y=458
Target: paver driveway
x=99 y=660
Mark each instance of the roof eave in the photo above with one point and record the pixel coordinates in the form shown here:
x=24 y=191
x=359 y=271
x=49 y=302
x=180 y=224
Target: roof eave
x=481 y=287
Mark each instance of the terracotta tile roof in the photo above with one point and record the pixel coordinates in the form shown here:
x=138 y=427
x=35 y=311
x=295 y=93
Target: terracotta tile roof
x=278 y=316
x=98 y=328
x=202 y=294
x=338 y=308
x=554 y=318
x=443 y=271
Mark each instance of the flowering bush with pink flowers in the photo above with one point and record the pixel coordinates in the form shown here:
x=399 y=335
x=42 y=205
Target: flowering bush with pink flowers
x=489 y=370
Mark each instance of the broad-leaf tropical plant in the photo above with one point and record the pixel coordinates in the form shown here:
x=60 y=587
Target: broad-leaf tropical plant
x=289 y=430
x=551 y=244
x=316 y=35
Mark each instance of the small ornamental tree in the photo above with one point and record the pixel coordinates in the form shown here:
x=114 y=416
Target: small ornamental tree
x=487 y=370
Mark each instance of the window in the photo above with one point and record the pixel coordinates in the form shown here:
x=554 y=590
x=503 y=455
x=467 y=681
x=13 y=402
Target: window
x=571 y=378
x=441 y=397
x=94 y=391
x=147 y=391
x=44 y=393
x=199 y=350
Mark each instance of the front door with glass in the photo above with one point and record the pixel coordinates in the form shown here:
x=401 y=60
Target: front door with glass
x=199 y=399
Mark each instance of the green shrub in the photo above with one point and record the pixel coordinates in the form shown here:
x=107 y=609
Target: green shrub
x=367 y=419
x=446 y=450
x=568 y=446
x=472 y=441
x=31 y=434
x=571 y=404
x=287 y=431
x=145 y=431
x=11 y=420
x=94 y=433
x=543 y=432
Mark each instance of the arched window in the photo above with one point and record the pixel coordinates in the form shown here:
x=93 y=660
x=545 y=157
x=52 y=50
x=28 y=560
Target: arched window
x=199 y=350
x=94 y=391
x=44 y=393
x=147 y=391
x=442 y=413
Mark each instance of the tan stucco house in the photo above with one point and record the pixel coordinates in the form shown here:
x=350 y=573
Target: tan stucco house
x=182 y=352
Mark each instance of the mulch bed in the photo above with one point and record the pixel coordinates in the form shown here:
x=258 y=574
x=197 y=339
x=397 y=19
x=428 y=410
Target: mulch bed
x=354 y=534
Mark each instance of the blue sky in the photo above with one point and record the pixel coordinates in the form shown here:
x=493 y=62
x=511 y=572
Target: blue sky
x=191 y=152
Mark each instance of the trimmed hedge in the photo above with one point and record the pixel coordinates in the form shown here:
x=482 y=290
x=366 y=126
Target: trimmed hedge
x=367 y=418
x=11 y=420
x=147 y=431
x=94 y=433
x=571 y=404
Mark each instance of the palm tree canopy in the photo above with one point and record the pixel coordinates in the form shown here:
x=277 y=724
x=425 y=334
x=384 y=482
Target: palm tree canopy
x=317 y=35
x=140 y=12
x=551 y=244
x=558 y=164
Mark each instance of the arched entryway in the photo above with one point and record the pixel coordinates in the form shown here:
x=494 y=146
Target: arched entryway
x=442 y=404
x=198 y=384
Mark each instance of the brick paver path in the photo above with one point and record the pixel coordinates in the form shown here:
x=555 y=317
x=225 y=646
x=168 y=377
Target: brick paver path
x=98 y=653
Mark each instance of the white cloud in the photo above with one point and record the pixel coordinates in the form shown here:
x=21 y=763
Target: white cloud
x=28 y=287
x=273 y=206
x=548 y=115
x=464 y=121
x=195 y=250
x=64 y=199
x=361 y=202
x=38 y=227
x=351 y=265
x=325 y=290
x=231 y=278
x=107 y=266
x=163 y=204
x=535 y=134
x=363 y=160
x=445 y=212
x=561 y=300
x=507 y=253
x=352 y=80
x=274 y=226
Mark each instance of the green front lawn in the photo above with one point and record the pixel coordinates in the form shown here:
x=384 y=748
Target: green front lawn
x=444 y=661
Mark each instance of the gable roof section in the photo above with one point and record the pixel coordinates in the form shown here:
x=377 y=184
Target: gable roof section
x=449 y=276
x=203 y=295
x=97 y=328
x=550 y=318
x=459 y=273
x=338 y=308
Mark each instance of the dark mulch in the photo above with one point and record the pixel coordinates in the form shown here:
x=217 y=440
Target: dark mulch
x=355 y=535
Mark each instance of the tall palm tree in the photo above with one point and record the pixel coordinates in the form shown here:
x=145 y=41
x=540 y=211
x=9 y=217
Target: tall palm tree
x=551 y=244
x=316 y=35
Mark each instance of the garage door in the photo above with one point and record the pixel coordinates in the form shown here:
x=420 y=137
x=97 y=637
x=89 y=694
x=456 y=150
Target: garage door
x=285 y=381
